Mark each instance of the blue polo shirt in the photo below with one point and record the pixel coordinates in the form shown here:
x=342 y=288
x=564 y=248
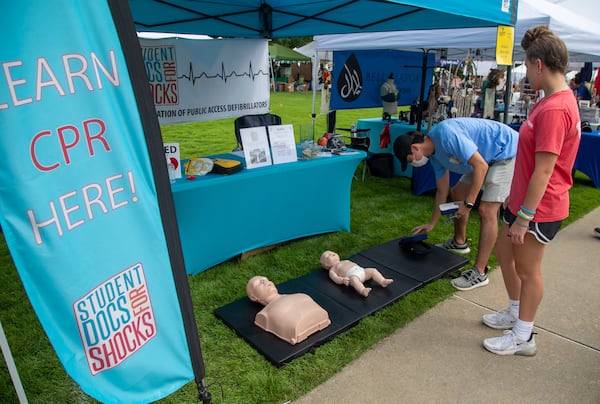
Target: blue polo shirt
x=455 y=141
x=582 y=92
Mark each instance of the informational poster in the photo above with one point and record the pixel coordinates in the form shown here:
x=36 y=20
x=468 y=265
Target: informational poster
x=79 y=204
x=206 y=79
x=358 y=76
x=283 y=144
x=173 y=157
x=504 y=45
x=256 y=147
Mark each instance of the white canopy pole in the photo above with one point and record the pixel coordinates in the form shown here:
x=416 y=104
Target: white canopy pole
x=315 y=81
x=10 y=363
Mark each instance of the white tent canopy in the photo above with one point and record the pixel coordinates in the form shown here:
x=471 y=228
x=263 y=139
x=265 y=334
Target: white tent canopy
x=310 y=50
x=569 y=21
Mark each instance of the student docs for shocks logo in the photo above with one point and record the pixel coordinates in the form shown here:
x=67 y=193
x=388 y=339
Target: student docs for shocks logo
x=115 y=319
x=161 y=68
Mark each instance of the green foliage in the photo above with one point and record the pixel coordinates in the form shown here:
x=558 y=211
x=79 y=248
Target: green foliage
x=295 y=42
x=381 y=210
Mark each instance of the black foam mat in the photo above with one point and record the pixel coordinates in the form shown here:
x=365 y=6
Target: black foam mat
x=424 y=268
x=343 y=304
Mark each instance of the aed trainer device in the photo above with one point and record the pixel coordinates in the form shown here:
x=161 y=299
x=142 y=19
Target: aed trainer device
x=226 y=166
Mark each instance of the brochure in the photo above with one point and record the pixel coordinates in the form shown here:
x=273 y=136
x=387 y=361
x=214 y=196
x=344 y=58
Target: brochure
x=173 y=160
x=283 y=144
x=256 y=147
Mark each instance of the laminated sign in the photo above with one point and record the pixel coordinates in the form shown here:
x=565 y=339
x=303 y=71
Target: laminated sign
x=504 y=45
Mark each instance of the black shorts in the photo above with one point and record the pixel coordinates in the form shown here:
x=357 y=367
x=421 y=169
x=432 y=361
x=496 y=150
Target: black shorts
x=543 y=231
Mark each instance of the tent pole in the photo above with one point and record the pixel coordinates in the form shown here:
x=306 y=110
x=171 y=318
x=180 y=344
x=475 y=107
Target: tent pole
x=507 y=93
x=272 y=73
x=424 y=68
x=12 y=369
x=314 y=90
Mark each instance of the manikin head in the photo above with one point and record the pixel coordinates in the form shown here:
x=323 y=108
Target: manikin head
x=261 y=289
x=329 y=259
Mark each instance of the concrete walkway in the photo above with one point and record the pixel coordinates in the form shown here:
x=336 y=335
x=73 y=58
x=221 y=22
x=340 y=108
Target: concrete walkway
x=439 y=357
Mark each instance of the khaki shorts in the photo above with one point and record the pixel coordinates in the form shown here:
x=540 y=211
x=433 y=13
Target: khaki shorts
x=496 y=185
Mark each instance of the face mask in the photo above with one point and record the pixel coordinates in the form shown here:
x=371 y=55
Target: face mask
x=420 y=163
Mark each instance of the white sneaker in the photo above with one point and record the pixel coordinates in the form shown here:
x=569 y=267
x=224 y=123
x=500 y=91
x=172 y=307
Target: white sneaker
x=509 y=344
x=501 y=320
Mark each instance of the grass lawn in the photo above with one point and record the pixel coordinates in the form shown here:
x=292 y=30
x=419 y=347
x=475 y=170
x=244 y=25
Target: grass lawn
x=381 y=210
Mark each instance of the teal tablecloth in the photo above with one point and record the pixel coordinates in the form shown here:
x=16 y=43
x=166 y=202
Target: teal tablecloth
x=220 y=217
x=376 y=125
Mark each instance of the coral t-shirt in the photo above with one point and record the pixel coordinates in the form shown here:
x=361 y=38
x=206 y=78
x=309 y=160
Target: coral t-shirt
x=553 y=126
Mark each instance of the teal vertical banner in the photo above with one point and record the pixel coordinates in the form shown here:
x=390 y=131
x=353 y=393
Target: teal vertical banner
x=78 y=203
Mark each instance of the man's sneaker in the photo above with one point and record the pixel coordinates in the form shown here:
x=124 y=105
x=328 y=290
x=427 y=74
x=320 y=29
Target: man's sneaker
x=508 y=344
x=453 y=246
x=502 y=320
x=597 y=232
x=470 y=279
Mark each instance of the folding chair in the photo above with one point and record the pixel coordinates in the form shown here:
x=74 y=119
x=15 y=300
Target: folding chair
x=253 y=121
x=359 y=140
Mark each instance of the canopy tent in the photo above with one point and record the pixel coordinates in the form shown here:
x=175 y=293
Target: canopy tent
x=579 y=33
x=282 y=54
x=310 y=51
x=291 y=18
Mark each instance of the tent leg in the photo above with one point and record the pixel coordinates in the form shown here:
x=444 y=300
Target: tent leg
x=314 y=92
x=424 y=68
x=507 y=93
x=10 y=363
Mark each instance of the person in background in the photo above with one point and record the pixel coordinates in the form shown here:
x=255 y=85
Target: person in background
x=580 y=90
x=539 y=193
x=493 y=80
x=483 y=151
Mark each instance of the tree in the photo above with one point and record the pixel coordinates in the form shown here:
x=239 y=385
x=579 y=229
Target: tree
x=294 y=42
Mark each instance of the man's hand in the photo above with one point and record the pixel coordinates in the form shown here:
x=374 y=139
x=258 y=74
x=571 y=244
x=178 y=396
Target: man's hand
x=424 y=228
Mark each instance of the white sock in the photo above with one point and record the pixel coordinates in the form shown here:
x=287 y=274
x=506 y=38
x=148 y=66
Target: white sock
x=523 y=329
x=513 y=307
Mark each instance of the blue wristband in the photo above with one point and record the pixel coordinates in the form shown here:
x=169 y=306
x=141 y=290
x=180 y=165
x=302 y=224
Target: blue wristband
x=528 y=211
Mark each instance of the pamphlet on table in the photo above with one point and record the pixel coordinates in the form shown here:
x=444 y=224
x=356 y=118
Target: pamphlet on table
x=283 y=145
x=256 y=147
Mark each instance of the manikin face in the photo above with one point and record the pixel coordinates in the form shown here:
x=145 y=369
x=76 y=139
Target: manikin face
x=329 y=258
x=260 y=288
